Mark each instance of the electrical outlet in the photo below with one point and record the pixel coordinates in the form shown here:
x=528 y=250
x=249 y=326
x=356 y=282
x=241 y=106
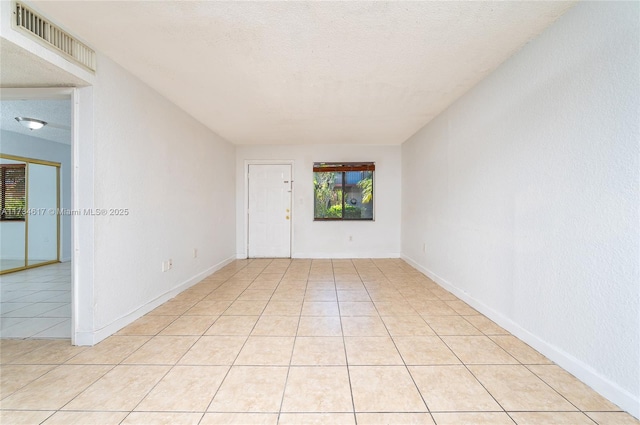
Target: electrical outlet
x=195 y=252
x=350 y=238
x=424 y=247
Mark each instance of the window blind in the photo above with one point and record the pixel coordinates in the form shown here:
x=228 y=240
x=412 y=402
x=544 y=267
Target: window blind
x=13 y=191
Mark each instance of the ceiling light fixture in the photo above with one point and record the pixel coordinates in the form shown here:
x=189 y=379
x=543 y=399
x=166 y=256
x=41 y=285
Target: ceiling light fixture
x=31 y=123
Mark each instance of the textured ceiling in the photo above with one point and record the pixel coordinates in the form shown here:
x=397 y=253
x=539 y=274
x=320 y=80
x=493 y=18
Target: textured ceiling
x=308 y=72
x=56 y=113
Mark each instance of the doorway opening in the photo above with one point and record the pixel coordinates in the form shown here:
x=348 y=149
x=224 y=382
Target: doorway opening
x=36 y=246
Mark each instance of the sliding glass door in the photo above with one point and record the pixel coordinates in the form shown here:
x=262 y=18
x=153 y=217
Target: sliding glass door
x=13 y=228
x=29 y=225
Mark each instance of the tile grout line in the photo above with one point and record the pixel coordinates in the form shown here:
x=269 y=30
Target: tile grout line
x=407 y=367
x=468 y=370
x=344 y=347
x=293 y=348
x=224 y=378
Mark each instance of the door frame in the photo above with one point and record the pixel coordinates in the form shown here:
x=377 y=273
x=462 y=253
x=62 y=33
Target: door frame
x=247 y=163
x=72 y=94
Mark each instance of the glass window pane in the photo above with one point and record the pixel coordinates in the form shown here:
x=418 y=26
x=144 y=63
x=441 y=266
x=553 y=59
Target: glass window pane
x=328 y=194
x=358 y=195
x=42 y=235
x=344 y=191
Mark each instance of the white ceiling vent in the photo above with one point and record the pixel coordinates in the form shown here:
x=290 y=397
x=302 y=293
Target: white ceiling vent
x=53 y=36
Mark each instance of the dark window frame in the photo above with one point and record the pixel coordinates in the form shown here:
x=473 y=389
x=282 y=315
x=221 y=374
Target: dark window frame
x=13 y=191
x=345 y=167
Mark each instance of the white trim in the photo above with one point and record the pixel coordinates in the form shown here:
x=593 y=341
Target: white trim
x=82 y=228
x=75 y=231
x=45 y=93
x=92 y=338
x=576 y=367
x=248 y=162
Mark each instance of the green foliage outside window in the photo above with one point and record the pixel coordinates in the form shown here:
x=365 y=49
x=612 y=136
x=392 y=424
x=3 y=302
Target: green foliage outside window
x=343 y=191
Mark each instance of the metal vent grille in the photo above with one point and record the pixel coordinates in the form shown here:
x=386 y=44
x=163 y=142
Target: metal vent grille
x=54 y=37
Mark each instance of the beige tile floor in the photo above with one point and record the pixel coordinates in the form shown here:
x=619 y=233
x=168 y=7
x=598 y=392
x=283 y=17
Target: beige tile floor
x=299 y=342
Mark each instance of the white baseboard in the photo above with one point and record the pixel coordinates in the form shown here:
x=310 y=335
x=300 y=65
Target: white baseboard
x=608 y=389
x=345 y=255
x=336 y=255
x=92 y=338
x=84 y=338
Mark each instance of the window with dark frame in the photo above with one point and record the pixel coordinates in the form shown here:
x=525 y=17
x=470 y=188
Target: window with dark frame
x=13 y=186
x=343 y=190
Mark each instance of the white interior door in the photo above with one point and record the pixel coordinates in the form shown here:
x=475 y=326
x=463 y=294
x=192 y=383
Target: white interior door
x=269 y=211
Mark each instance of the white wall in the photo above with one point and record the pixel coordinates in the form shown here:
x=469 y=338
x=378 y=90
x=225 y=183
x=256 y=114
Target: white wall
x=322 y=239
x=175 y=177
x=36 y=148
x=134 y=149
x=525 y=192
